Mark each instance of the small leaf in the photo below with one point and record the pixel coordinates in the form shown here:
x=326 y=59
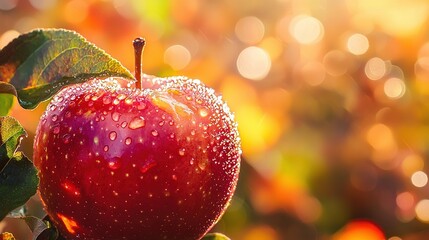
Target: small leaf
x=18 y=176
x=39 y=63
x=215 y=236
x=6 y=101
x=7 y=236
x=10 y=134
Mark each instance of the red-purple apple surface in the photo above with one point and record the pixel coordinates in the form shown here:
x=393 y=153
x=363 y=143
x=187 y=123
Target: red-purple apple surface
x=159 y=161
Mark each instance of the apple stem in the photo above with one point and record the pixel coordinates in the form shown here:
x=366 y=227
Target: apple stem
x=138 y=44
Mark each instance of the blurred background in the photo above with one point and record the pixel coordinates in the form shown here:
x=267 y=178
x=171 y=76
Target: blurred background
x=331 y=98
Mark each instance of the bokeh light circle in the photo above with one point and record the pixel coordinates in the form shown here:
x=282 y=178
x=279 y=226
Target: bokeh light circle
x=253 y=63
x=306 y=29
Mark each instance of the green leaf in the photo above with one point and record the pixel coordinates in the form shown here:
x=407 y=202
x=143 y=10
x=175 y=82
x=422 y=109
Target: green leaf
x=6 y=101
x=18 y=182
x=215 y=236
x=39 y=63
x=10 y=134
x=18 y=176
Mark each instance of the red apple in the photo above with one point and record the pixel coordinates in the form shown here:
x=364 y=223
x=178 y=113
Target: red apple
x=119 y=162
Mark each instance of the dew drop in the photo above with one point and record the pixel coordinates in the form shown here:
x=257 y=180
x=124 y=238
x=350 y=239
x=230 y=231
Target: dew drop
x=68 y=114
x=60 y=99
x=128 y=101
x=141 y=106
x=137 y=122
x=174 y=177
x=66 y=138
x=147 y=166
x=107 y=100
x=72 y=97
x=182 y=152
x=161 y=123
x=172 y=135
x=202 y=164
x=113 y=164
x=115 y=101
x=189 y=98
x=199 y=101
x=203 y=112
x=106 y=148
x=87 y=97
x=121 y=96
x=154 y=133
x=193 y=132
x=192 y=161
x=128 y=141
x=54 y=118
x=52 y=107
x=112 y=135
x=115 y=116
x=124 y=124
x=56 y=130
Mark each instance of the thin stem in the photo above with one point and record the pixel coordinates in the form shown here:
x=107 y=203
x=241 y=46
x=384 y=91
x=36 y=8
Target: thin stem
x=138 y=44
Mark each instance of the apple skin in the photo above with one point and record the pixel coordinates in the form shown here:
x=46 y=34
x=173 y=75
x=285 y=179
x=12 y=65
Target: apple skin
x=118 y=162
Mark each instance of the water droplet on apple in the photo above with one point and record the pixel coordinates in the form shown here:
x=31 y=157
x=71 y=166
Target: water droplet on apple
x=137 y=122
x=115 y=116
x=172 y=135
x=128 y=141
x=203 y=112
x=54 y=117
x=107 y=100
x=106 y=148
x=128 y=101
x=182 y=152
x=203 y=164
x=56 y=130
x=146 y=166
x=193 y=132
x=192 y=161
x=121 y=96
x=141 y=106
x=66 y=138
x=71 y=188
x=161 y=123
x=53 y=107
x=68 y=114
x=112 y=135
x=154 y=133
x=113 y=164
x=124 y=124
x=115 y=101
